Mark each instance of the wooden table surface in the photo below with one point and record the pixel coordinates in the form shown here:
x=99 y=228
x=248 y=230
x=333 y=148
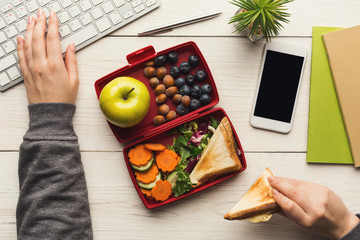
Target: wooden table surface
x=116 y=209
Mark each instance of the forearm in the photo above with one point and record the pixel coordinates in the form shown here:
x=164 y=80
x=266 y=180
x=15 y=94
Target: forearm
x=53 y=201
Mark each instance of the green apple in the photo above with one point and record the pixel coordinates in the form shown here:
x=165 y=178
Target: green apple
x=125 y=101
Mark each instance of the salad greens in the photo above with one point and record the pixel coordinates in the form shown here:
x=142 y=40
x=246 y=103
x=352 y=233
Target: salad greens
x=191 y=140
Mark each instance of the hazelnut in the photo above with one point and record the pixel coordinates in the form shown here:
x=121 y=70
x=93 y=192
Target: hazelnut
x=168 y=81
x=150 y=63
x=160 y=89
x=177 y=99
x=163 y=109
x=171 y=91
x=170 y=115
x=149 y=72
x=154 y=82
x=160 y=72
x=161 y=98
x=185 y=101
x=158 y=120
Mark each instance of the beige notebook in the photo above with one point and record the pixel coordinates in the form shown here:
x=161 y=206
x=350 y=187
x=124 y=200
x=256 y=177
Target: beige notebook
x=343 y=51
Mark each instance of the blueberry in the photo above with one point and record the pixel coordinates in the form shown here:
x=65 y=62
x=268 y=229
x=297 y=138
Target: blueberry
x=185 y=67
x=196 y=91
x=206 y=88
x=193 y=60
x=205 y=99
x=200 y=76
x=195 y=104
x=190 y=79
x=174 y=71
x=185 y=90
x=181 y=110
x=172 y=57
x=160 y=61
x=180 y=82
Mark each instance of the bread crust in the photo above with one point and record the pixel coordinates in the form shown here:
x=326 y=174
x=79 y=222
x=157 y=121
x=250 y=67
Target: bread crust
x=208 y=157
x=255 y=211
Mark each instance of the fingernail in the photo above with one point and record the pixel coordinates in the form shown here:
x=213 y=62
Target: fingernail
x=30 y=19
x=271 y=179
x=19 y=40
x=40 y=12
x=275 y=192
x=51 y=13
x=72 y=47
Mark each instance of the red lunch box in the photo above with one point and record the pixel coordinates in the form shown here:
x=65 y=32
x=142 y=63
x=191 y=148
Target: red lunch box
x=146 y=131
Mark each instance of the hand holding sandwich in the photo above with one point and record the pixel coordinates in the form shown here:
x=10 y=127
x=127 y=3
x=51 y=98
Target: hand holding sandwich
x=314 y=207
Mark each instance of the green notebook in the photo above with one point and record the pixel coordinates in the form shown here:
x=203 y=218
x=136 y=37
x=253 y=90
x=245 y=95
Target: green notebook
x=327 y=140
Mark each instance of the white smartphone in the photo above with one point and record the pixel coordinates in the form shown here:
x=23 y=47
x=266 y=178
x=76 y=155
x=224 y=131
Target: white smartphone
x=278 y=86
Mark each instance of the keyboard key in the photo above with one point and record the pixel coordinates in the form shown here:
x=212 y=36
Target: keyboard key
x=96 y=2
x=150 y=3
x=74 y=11
x=4 y=79
x=13 y=73
x=21 y=25
x=2 y=23
x=85 y=5
x=9 y=46
x=115 y=17
x=11 y=31
x=118 y=3
x=32 y=5
x=2 y=53
x=96 y=13
x=7 y=62
x=10 y=17
x=103 y=24
x=79 y=37
x=55 y=7
x=6 y=8
x=128 y=14
x=139 y=8
x=2 y=37
x=75 y=25
x=86 y=19
x=43 y=2
x=136 y=3
x=64 y=31
x=108 y=7
x=46 y=11
x=65 y=3
x=63 y=17
x=21 y=11
x=17 y=2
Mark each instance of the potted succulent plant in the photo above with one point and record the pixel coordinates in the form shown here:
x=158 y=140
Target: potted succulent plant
x=260 y=18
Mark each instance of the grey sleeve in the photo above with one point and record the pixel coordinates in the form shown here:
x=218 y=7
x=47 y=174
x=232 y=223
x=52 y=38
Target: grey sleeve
x=353 y=234
x=53 y=201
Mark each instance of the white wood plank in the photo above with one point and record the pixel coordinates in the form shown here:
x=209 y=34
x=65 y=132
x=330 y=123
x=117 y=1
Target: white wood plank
x=234 y=63
x=304 y=15
x=118 y=213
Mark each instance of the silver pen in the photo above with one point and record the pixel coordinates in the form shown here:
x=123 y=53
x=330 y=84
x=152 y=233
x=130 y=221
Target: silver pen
x=170 y=26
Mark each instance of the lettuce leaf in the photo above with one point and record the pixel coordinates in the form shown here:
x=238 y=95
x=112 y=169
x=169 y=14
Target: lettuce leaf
x=183 y=184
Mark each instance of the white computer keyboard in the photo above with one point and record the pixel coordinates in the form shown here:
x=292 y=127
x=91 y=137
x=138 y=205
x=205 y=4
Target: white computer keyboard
x=80 y=21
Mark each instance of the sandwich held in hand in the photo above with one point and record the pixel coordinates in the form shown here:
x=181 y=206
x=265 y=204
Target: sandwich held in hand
x=125 y=101
x=219 y=157
x=257 y=204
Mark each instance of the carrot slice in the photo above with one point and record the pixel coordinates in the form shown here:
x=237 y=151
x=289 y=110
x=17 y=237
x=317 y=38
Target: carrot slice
x=155 y=147
x=146 y=192
x=147 y=176
x=167 y=160
x=139 y=155
x=161 y=191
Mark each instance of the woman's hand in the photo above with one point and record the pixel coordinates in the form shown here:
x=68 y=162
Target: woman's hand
x=47 y=78
x=314 y=207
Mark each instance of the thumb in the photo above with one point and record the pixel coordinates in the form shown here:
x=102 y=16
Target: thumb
x=71 y=63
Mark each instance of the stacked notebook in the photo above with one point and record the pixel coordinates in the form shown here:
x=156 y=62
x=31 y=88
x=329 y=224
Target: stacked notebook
x=334 y=115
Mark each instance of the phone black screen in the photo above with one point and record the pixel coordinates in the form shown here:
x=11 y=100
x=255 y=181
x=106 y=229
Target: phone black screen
x=278 y=86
